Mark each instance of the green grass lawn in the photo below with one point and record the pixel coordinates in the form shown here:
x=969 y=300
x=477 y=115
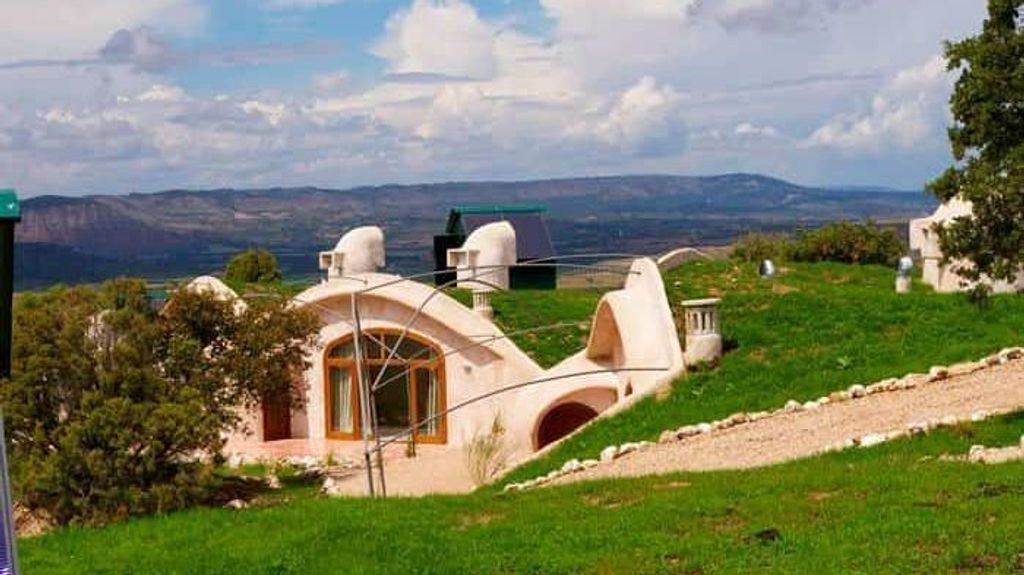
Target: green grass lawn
x=816 y=328
x=890 y=509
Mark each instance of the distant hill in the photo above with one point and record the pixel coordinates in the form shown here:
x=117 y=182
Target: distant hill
x=180 y=232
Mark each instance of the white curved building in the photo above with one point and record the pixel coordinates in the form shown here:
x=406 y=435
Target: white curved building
x=941 y=275
x=432 y=359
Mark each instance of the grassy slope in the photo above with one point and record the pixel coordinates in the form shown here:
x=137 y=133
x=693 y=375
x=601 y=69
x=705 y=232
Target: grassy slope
x=815 y=329
x=566 y=312
x=890 y=509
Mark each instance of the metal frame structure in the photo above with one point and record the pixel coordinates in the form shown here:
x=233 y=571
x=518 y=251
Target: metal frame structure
x=369 y=390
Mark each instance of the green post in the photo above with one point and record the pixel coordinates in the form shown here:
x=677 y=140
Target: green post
x=10 y=215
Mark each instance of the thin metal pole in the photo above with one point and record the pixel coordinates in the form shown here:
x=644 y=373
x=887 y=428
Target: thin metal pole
x=364 y=391
x=376 y=437
x=10 y=533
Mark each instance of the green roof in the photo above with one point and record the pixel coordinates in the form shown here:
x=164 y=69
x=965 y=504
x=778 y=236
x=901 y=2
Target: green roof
x=10 y=207
x=500 y=209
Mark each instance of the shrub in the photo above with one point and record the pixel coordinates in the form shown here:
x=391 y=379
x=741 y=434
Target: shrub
x=115 y=410
x=848 y=242
x=757 y=247
x=252 y=266
x=488 y=454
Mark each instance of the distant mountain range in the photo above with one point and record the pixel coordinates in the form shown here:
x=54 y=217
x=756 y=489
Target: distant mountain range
x=179 y=233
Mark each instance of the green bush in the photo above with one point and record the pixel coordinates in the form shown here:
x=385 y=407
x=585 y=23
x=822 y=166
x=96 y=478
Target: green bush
x=252 y=266
x=847 y=242
x=757 y=247
x=115 y=409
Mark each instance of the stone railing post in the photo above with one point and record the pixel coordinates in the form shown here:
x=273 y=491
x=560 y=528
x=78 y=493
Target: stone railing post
x=703 y=331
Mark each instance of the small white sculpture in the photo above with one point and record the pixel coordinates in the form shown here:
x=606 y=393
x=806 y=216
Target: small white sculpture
x=483 y=261
x=357 y=252
x=903 y=274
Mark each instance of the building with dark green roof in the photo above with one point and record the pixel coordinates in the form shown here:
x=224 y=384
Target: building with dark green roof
x=533 y=242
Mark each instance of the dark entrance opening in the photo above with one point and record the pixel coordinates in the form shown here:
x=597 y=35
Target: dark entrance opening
x=562 y=421
x=277 y=420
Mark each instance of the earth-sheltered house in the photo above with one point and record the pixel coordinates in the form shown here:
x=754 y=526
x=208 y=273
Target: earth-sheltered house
x=441 y=367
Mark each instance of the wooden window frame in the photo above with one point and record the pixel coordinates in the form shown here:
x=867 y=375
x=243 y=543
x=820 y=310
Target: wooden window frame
x=435 y=364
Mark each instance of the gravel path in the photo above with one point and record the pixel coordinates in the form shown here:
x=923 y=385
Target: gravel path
x=998 y=389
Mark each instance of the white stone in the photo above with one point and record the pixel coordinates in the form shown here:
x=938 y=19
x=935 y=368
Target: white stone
x=738 y=419
x=273 y=482
x=687 y=431
x=980 y=415
x=571 y=466
x=704 y=428
x=811 y=405
x=590 y=463
x=609 y=453
x=872 y=439
x=667 y=436
x=857 y=391
x=792 y=405
x=236 y=504
x=839 y=396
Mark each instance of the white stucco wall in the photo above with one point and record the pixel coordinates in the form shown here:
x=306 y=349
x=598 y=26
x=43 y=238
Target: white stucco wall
x=633 y=328
x=943 y=275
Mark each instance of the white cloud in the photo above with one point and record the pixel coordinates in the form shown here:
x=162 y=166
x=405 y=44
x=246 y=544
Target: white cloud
x=602 y=86
x=748 y=129
x=645 y=121
x=271 y=112
x=777 y=15
x=56 y=29
x=909 y=109
x=330 y=82
x=611 y=41
x=162 y=93
x=443 y=37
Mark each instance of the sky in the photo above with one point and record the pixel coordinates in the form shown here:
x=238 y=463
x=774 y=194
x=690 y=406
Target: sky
x=120 y=96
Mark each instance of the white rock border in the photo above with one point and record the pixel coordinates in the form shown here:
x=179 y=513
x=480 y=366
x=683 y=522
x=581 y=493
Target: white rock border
x=909 y=381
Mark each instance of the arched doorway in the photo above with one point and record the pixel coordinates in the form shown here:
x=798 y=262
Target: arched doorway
x=563 y=420
x=412 y=386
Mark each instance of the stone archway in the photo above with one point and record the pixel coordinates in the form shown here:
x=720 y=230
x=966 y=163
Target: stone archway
x=563 y=420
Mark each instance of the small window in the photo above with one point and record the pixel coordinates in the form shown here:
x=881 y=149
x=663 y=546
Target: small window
x=342 y=350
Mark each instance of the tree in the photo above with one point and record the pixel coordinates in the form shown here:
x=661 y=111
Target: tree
x=987 y=140
x=252 y=266
x=115 y=409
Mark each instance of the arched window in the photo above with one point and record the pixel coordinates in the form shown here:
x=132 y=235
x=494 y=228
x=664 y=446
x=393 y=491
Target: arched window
x=412 y=386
